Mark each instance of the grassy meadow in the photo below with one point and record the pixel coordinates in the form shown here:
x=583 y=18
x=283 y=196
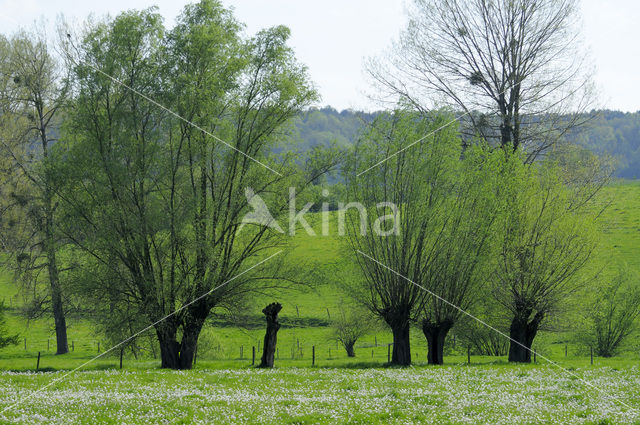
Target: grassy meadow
x=449 y=394
x=223 y=388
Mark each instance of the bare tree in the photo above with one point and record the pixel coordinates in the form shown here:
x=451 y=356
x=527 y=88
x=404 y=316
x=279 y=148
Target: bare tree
x=515 y=67
x=481 y=339
x=351 y=324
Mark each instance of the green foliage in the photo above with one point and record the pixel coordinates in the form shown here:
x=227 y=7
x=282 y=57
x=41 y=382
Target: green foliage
x=418 y=181
x=610 y=133
x=614 y=133
x=326 y=126
x=154 y=202
x=543 y=241
x=351 y=324
x=612 y=316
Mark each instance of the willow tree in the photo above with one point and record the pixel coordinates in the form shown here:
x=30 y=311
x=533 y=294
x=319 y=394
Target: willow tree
x=461 y=248
x=418 y=183
x=155 y=200
x=544 y=243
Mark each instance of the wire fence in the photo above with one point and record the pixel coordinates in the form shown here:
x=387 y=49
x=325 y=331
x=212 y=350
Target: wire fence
x=302 y=352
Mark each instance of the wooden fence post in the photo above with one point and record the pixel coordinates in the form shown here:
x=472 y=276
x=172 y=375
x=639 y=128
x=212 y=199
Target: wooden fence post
x=98 y=346
x=241 y=352
x=388 y=353
x=565 y=350
x=253 y=359
x=121 y=354
x=313 y=355
x=591 y=355
x=38 y=363
x=535 y=360
x=468 y=354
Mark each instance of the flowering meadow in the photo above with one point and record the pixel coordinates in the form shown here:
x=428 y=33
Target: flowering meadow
x=450 y=394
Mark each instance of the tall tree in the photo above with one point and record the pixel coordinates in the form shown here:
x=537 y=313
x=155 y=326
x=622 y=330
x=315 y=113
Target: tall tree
x=417 y=183
x=544 y=243
x=33 y=92
x=157 y=201
x=460 y=250
x=516 y=67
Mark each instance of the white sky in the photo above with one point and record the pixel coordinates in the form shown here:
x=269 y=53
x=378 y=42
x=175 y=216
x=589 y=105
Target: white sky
x=332 y=37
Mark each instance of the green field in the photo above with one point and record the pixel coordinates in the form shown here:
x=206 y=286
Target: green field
x=224 y=388
x=448 y=394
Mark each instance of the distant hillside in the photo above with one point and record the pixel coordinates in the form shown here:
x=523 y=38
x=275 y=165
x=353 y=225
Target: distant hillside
x=618 y=134
x=612 y=132
x=322 y=127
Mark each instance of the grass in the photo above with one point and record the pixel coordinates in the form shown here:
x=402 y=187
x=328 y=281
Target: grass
x=502 y=394
x=225 y=389
x=621 y=222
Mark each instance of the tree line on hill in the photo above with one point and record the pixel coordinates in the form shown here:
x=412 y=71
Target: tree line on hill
x=606 y=132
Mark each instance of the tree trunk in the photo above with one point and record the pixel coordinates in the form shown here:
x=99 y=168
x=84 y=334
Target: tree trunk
x=436 y=334
x=505 y=125
x=522 y=333
x=169 y=347
x=188 y=344
x=505 y=133
x=271 y=336
x=49 y=240
x=401 y=354
x=179 y=355
x=62 y=346
x=348 y=346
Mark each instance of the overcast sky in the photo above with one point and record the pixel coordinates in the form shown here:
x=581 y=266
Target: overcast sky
x=332 y=37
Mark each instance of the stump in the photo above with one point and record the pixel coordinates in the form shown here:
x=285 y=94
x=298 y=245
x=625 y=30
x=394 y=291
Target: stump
x=270 y=338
